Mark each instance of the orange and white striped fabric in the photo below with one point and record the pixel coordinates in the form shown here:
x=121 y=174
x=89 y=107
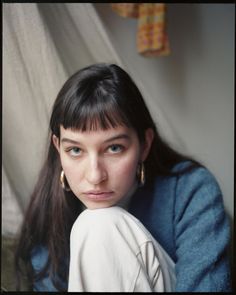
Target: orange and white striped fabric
x=152 y=39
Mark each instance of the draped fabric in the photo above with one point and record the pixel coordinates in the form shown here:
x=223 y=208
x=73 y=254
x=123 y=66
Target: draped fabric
x=32 y=75
x=35 y=65
x=12 y=213
x=152 y=38
x=43 y=44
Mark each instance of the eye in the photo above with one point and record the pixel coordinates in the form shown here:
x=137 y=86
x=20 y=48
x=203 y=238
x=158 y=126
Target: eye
x=75 y=151
x=115 y=148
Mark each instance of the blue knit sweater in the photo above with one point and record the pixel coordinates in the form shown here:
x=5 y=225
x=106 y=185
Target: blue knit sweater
x=186 y=216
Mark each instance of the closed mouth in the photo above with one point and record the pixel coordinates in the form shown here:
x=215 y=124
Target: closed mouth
x=99 y=195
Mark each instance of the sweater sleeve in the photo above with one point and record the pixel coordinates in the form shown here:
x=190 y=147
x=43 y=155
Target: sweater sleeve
x=39 y=258
x=202 y=234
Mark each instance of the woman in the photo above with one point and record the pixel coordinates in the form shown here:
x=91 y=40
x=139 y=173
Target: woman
x=105 y=153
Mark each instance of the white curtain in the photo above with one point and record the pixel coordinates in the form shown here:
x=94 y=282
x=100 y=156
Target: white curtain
x=12 y=215
x=43 y=44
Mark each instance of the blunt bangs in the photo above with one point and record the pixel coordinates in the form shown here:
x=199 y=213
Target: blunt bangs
x=100 y=97
x=93 y=110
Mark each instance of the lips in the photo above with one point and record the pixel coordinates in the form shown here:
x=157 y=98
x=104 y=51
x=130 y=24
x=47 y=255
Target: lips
x=98 y=195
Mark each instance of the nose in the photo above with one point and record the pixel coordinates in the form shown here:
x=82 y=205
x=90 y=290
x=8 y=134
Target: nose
x=95 y=172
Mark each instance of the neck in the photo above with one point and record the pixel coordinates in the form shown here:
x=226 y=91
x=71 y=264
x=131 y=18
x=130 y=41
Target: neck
x=124 y=202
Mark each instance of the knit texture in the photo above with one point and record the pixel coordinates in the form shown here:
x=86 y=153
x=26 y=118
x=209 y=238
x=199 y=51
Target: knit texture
x=186 y=215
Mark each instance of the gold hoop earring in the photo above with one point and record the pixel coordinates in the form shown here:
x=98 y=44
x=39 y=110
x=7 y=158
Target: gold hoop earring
x=62 y=180
x=141 y=174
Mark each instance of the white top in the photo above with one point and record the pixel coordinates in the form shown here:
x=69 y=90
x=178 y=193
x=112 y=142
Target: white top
x=111 y=251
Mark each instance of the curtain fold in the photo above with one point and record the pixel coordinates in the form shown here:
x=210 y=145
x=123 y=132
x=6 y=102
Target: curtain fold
x=32 y=76
x=78 y=35
x=93 y=33
x=12 y=214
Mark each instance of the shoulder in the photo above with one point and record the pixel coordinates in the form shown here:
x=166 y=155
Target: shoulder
x=199 y=208
x=201 y=232
x=198 y=185
x=198 y=172
x=191 y=195
x=186 y=183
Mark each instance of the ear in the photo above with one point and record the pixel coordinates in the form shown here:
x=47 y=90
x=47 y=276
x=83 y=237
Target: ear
x=149 y=135
x=56 y=142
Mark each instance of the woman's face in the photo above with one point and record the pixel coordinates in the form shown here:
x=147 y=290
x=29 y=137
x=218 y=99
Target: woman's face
x=101 y=166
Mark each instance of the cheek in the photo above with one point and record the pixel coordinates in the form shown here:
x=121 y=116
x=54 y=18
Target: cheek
x=70 y=167
x=125 y=171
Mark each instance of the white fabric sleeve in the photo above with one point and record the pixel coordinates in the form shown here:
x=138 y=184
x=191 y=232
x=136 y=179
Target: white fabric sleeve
x=111 y=251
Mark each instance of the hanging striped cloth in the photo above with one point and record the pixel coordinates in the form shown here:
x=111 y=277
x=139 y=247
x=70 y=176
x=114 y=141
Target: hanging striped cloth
x=152 y=39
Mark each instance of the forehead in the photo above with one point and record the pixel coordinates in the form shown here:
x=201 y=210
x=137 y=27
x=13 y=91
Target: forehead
x=98 y=135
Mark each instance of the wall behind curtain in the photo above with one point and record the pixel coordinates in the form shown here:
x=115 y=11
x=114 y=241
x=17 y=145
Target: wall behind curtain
x=194 y=86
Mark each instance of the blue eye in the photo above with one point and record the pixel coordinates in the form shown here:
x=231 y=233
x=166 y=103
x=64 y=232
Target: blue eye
x=116 y=148
x=75 y=151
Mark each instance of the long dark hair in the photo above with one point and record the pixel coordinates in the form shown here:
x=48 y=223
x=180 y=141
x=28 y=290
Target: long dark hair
x=98 y=96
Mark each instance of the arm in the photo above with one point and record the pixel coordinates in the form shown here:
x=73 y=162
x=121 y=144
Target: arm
x=39 y=259
x=202 y=234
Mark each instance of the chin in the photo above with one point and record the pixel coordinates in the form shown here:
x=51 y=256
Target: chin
x=93 y=206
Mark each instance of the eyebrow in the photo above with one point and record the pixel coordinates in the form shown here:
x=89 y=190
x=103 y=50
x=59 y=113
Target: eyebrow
x=119 y=136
